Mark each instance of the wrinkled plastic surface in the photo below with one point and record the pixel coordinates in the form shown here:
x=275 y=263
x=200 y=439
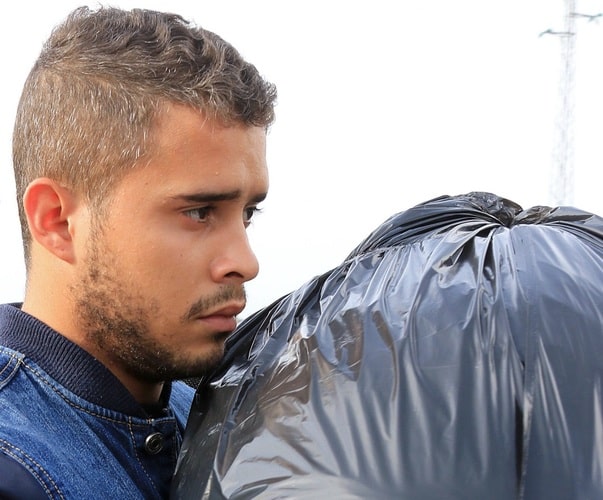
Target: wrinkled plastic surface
x=456 y=354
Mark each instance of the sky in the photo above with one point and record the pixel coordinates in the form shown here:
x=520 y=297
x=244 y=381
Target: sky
x=382 y=105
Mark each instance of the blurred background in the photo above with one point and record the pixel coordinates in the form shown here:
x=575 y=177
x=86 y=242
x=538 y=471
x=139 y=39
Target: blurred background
x=382 y=105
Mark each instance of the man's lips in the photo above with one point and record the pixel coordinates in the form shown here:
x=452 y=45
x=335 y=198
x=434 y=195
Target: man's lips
x=223 y=319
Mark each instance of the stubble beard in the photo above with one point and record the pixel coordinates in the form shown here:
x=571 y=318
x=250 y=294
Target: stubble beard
x=116 y=321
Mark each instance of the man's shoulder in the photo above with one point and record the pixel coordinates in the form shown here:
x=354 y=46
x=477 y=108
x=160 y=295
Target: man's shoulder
x=22 y=396
x=22 y=475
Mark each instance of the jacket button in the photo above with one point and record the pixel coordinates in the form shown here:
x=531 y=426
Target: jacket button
x=153 y=443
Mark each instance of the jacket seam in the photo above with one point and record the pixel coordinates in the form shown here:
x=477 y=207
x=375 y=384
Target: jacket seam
x=10 y=448
x=138 y=458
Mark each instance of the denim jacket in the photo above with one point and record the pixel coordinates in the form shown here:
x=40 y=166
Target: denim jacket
x=70 y=429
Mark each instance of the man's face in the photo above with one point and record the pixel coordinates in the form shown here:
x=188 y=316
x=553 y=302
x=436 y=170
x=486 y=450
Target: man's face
x=165 y=265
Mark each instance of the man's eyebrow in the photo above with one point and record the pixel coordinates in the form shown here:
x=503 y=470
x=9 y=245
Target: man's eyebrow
x=213 y=197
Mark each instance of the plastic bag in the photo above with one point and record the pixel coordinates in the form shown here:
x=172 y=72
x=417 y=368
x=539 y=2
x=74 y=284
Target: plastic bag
x=456 y=354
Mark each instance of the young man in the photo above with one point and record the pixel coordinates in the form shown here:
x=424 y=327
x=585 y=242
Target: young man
x=139 y=157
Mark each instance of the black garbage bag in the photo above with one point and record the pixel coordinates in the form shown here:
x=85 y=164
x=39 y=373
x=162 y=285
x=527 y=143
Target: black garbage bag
x=456 y=354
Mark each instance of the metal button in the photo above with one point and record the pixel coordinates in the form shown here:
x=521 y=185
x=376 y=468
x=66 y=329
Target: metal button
x=153 y=443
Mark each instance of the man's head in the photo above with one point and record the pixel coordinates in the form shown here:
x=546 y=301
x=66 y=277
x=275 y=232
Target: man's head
x=139 y=155
x=92 y=98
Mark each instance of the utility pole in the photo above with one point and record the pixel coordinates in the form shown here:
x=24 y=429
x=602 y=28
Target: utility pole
x=561 y=183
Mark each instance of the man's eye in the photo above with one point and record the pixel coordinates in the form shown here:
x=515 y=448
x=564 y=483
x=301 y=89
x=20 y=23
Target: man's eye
x=199 y=214
x=249 y=213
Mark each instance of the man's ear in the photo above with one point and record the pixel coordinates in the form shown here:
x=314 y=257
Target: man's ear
x=50 y=209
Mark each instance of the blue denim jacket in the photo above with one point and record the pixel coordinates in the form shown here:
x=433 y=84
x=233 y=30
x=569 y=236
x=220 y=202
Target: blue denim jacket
x=68 y=426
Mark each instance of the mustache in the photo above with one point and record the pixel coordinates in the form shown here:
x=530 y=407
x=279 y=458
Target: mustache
x=226 y=294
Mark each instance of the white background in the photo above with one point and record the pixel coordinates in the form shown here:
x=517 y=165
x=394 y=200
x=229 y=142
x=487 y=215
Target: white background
x=382 y=105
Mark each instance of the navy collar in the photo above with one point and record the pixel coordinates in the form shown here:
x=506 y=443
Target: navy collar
x=67 y=363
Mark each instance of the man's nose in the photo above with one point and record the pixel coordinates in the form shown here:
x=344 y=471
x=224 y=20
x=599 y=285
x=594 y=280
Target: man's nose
x=235 y=261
